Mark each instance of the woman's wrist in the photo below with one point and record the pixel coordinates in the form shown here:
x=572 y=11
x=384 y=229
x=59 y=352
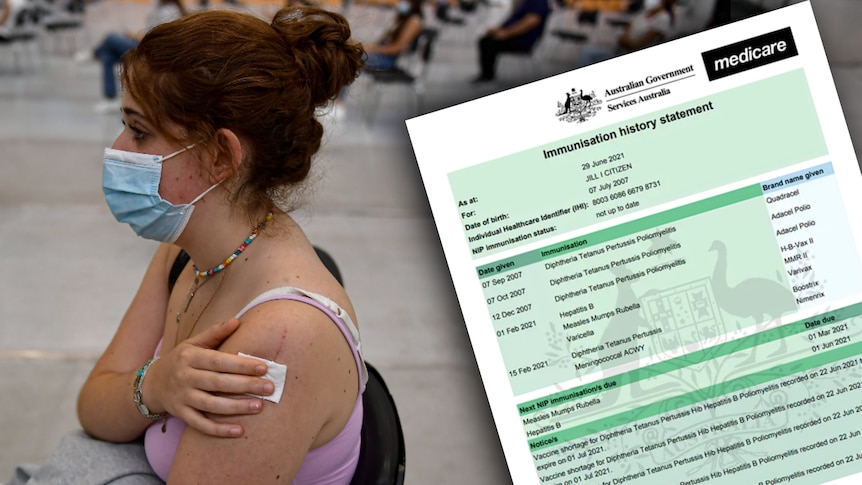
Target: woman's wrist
x=138 y=392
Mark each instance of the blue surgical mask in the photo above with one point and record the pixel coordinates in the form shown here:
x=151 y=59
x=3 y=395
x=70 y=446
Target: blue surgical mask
x=130 y=182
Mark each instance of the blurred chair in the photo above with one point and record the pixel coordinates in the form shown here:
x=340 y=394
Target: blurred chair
x=586 y=21
x=520 y=66
x=411 y=72
x=22 y=28
x=64 y=21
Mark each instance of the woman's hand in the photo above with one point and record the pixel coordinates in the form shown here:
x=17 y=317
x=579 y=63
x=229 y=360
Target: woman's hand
x=194 y=379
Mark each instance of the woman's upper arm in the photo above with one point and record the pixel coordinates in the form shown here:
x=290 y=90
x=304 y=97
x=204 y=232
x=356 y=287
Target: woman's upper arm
x=5 y=8
x=408 y=34
x=321 y=384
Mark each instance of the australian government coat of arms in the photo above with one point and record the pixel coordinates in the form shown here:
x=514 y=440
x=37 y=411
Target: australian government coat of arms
x=578 y=107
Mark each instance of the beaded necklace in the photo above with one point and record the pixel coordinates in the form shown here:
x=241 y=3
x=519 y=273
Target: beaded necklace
x=201 y=277
x=230 y=259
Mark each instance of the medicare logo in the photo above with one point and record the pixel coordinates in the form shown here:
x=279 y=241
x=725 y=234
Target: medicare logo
x=749 y=54
x=578 y=107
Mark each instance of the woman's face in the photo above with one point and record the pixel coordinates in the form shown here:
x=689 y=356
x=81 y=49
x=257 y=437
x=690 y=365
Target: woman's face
x=182 y=175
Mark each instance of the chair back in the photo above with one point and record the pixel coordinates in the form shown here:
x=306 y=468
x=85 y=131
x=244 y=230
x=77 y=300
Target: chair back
x=588 y=17
x=330 y=264
x=381 y=454
x=22 y=23
x=427 y=40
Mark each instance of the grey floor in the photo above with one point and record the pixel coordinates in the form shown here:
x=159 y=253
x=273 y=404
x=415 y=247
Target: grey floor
x=67 y=270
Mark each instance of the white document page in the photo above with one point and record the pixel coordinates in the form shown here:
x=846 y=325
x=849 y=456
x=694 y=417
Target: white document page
x=658 y=261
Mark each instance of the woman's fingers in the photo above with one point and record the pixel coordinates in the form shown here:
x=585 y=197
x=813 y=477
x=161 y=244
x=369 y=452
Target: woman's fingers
x=200 y=422
x=209 y=385
x=216 y=361
x=225 y=405
x=203 y=405
x=230 y=383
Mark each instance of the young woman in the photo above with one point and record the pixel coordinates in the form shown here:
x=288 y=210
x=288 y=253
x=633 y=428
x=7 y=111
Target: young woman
x=404 y=30
x=220 y=130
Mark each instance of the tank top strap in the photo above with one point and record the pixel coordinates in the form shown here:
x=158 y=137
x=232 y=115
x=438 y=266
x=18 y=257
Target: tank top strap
x=337 y=314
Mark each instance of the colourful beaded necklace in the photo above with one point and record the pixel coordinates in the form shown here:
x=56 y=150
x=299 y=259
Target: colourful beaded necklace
x=251 y=237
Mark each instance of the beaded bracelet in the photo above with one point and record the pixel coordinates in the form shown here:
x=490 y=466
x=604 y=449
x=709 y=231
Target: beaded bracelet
x=139 y=380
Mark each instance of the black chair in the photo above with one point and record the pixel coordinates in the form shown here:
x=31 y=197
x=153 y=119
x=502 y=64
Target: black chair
x=382 y=453
x=329 y=262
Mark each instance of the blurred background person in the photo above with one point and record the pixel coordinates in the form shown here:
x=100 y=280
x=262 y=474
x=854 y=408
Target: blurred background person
x=652 y=25
x=520 y=32
x=404 y=30
x=110 y=51
x=383 y=55
x=5 y=9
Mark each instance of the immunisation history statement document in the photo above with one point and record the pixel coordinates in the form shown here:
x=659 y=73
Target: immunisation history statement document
x=658 y=261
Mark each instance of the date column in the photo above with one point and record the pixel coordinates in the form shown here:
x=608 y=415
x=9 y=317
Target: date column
x=519 y=313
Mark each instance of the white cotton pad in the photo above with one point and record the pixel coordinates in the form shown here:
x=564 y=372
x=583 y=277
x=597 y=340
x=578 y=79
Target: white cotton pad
x=275 y=373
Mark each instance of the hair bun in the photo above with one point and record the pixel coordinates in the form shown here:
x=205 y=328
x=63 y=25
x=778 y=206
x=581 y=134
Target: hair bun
x=319 y=41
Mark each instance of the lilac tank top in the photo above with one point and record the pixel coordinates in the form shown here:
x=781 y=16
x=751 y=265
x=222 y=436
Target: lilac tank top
x=331 y=464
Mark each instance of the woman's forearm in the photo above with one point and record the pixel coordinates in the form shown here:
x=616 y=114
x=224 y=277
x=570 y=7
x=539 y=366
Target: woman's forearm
x=106 y=407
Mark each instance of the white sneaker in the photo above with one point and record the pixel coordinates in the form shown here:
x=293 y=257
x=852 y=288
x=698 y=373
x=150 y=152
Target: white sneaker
x=84 y=56
x=107 y=106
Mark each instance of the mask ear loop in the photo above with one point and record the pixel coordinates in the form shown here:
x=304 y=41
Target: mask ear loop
x=171 y=155
x=205 y=192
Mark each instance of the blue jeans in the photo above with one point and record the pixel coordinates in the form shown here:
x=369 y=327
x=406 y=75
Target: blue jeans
x=379 y=62
x=592 y=54
x=110 y=52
